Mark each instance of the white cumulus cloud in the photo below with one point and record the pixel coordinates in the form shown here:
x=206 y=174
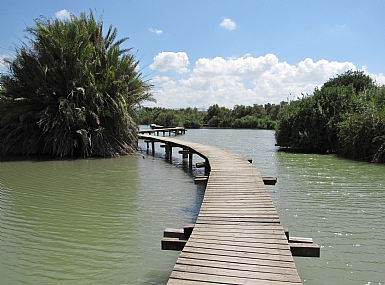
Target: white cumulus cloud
x=156 y=31
x=228 y=24
x=63 y=15
x=166 y=61
x=244 y=80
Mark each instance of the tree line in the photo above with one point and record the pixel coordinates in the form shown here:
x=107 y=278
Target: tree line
x=250 y=117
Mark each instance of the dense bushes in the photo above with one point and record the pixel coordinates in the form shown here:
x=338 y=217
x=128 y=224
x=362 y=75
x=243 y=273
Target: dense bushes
x=346 y=116
x=72 y=92
x=362 y=134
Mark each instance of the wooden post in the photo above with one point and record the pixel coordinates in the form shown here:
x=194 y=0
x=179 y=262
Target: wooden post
x=184 y=153
x=200 y=179
x=152 y=145
x=168 y=149
x=207 y=168
x=190 y=159
x=269 y=180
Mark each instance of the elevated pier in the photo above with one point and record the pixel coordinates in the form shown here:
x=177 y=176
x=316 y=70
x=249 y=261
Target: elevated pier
x=237 y=237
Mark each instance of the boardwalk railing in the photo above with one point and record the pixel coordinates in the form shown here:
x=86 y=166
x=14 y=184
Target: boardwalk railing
x=237 y=237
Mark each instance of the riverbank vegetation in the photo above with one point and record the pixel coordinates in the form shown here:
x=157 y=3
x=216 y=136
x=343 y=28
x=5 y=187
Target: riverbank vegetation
x=71 y=91
x=250 y=117
x=346 y=116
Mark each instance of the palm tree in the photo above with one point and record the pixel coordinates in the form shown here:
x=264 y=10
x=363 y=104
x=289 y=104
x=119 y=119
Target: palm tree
x=71 y=92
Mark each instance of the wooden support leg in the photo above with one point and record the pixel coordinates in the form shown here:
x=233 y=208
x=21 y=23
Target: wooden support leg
x=207 y=168
x=168 y=149
x=184 y=153
x=190 y=159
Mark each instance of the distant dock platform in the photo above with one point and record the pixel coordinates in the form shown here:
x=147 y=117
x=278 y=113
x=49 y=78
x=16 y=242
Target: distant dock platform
x=158 y=131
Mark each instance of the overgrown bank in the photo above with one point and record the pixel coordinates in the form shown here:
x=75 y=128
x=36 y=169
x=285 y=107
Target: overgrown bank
x=346 y=116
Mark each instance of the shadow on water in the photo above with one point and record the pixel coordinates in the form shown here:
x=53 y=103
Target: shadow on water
x=183 y=165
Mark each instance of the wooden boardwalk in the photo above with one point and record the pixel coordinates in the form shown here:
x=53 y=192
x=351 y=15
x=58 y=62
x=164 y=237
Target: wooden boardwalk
x=237 y=238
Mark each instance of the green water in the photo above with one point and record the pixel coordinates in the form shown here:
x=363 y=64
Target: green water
x=100 y=221
x=97 y=221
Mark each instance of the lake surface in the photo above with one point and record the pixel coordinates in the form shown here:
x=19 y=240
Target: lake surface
x=100 y=221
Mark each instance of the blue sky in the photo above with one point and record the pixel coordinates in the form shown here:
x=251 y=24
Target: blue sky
x=204 y=52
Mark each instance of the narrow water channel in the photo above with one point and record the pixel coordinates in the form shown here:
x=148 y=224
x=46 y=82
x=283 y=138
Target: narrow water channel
x=100 y=221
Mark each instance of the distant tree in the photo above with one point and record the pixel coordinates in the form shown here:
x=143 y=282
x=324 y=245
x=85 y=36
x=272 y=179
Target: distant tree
x=259 y=111
x=72 y=92
x=251 y=117
x=240 y=111
x=272 y=111
x=218 y=116
x=357 y=79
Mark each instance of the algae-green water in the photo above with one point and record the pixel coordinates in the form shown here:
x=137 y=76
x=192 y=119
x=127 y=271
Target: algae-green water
x=100 y=221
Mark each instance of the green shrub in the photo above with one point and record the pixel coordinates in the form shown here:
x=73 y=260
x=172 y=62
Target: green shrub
x=72 y=92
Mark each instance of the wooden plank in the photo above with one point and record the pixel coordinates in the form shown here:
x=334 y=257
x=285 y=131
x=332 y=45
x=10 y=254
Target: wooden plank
x=245 y=226
x=305 y=249
x=234 y=262
x=229 y=272
x=239 y=248
x=251 y=211
x=245 y=255
x=272 y=252
x=234 y=280
x=235 y=220
x=241 y=234
x=173 y=233
x=296 y=249
x=173 y=243
x=237 y=260
x=173 y=281
x=253 y=241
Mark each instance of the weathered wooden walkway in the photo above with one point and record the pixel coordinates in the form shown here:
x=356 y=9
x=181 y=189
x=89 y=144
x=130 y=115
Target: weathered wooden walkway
x=237 y=238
